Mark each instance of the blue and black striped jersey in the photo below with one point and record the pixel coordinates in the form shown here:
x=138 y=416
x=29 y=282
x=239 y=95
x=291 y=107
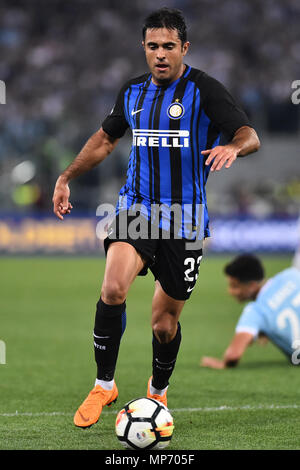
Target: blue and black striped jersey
x=170 y=126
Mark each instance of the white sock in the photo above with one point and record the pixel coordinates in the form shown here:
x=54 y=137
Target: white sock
x=156 y=391
x=107 y=385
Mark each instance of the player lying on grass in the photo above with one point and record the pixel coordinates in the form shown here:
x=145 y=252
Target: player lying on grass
x=273 y=313
x=176 y=114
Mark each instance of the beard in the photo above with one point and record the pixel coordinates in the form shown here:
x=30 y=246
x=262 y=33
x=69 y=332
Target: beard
x=162 y=80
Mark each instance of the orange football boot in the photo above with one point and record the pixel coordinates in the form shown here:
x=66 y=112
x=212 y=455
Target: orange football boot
x=90 y=410
x=161 y=398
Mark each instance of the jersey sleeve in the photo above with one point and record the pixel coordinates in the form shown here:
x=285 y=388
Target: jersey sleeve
x=222 y=109
x=115 y=123
x=251 y=321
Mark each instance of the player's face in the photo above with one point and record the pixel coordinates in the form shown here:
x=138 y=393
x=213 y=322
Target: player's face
x=164 y=54
x=242 y=291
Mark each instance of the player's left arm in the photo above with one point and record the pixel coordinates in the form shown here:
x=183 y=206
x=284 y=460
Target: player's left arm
x=227 y=116
x=245 y=141
x=233 y=353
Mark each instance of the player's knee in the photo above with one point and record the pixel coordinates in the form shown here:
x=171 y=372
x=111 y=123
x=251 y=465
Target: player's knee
x=113 y=292
x=164 y=331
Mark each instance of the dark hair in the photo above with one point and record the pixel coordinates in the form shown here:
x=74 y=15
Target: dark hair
x=169 y=18
x=245 y=268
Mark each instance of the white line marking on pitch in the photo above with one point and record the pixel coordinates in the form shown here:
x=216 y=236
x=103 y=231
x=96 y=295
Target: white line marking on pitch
x=174 y=410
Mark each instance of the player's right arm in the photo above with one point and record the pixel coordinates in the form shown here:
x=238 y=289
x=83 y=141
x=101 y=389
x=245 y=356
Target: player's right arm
x=250 y=324
x=96 y=149
x=233 y=353
x=237 y=347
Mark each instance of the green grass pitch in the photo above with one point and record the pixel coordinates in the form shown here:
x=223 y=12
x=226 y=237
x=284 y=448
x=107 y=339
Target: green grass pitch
x=47 y=315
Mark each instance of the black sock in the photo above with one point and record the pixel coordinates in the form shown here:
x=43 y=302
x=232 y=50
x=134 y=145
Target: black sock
x=110 y=323
x=164 y=359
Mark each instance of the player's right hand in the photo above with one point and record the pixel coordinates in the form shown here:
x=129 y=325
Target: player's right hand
x=61 y=203
x=212 y=363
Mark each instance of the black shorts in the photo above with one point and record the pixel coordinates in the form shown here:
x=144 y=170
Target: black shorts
x=172 y=264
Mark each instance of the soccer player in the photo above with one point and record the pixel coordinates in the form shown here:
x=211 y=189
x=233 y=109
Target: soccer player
x=273 y=313
x=176 y=114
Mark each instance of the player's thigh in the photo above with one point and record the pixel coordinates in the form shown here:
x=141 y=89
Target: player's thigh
x=123 y=263
x=177 y=268
x=165 y=314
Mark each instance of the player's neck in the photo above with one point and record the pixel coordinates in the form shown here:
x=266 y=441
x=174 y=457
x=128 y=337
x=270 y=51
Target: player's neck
x=259 y=288
x=167 y=83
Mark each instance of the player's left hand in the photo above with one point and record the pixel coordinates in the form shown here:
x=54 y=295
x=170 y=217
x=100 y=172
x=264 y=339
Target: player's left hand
x=221 y=155
x=212 y=362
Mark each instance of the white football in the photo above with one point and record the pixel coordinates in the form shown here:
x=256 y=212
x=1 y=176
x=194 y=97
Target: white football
x=144 y=423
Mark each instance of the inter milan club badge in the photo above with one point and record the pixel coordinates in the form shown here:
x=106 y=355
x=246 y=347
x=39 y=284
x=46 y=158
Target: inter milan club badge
x=175 y=110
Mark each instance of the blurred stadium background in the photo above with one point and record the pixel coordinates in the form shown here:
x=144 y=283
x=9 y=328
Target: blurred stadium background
x=63 y=63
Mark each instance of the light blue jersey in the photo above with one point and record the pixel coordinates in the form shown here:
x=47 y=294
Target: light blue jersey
x=276 y=311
